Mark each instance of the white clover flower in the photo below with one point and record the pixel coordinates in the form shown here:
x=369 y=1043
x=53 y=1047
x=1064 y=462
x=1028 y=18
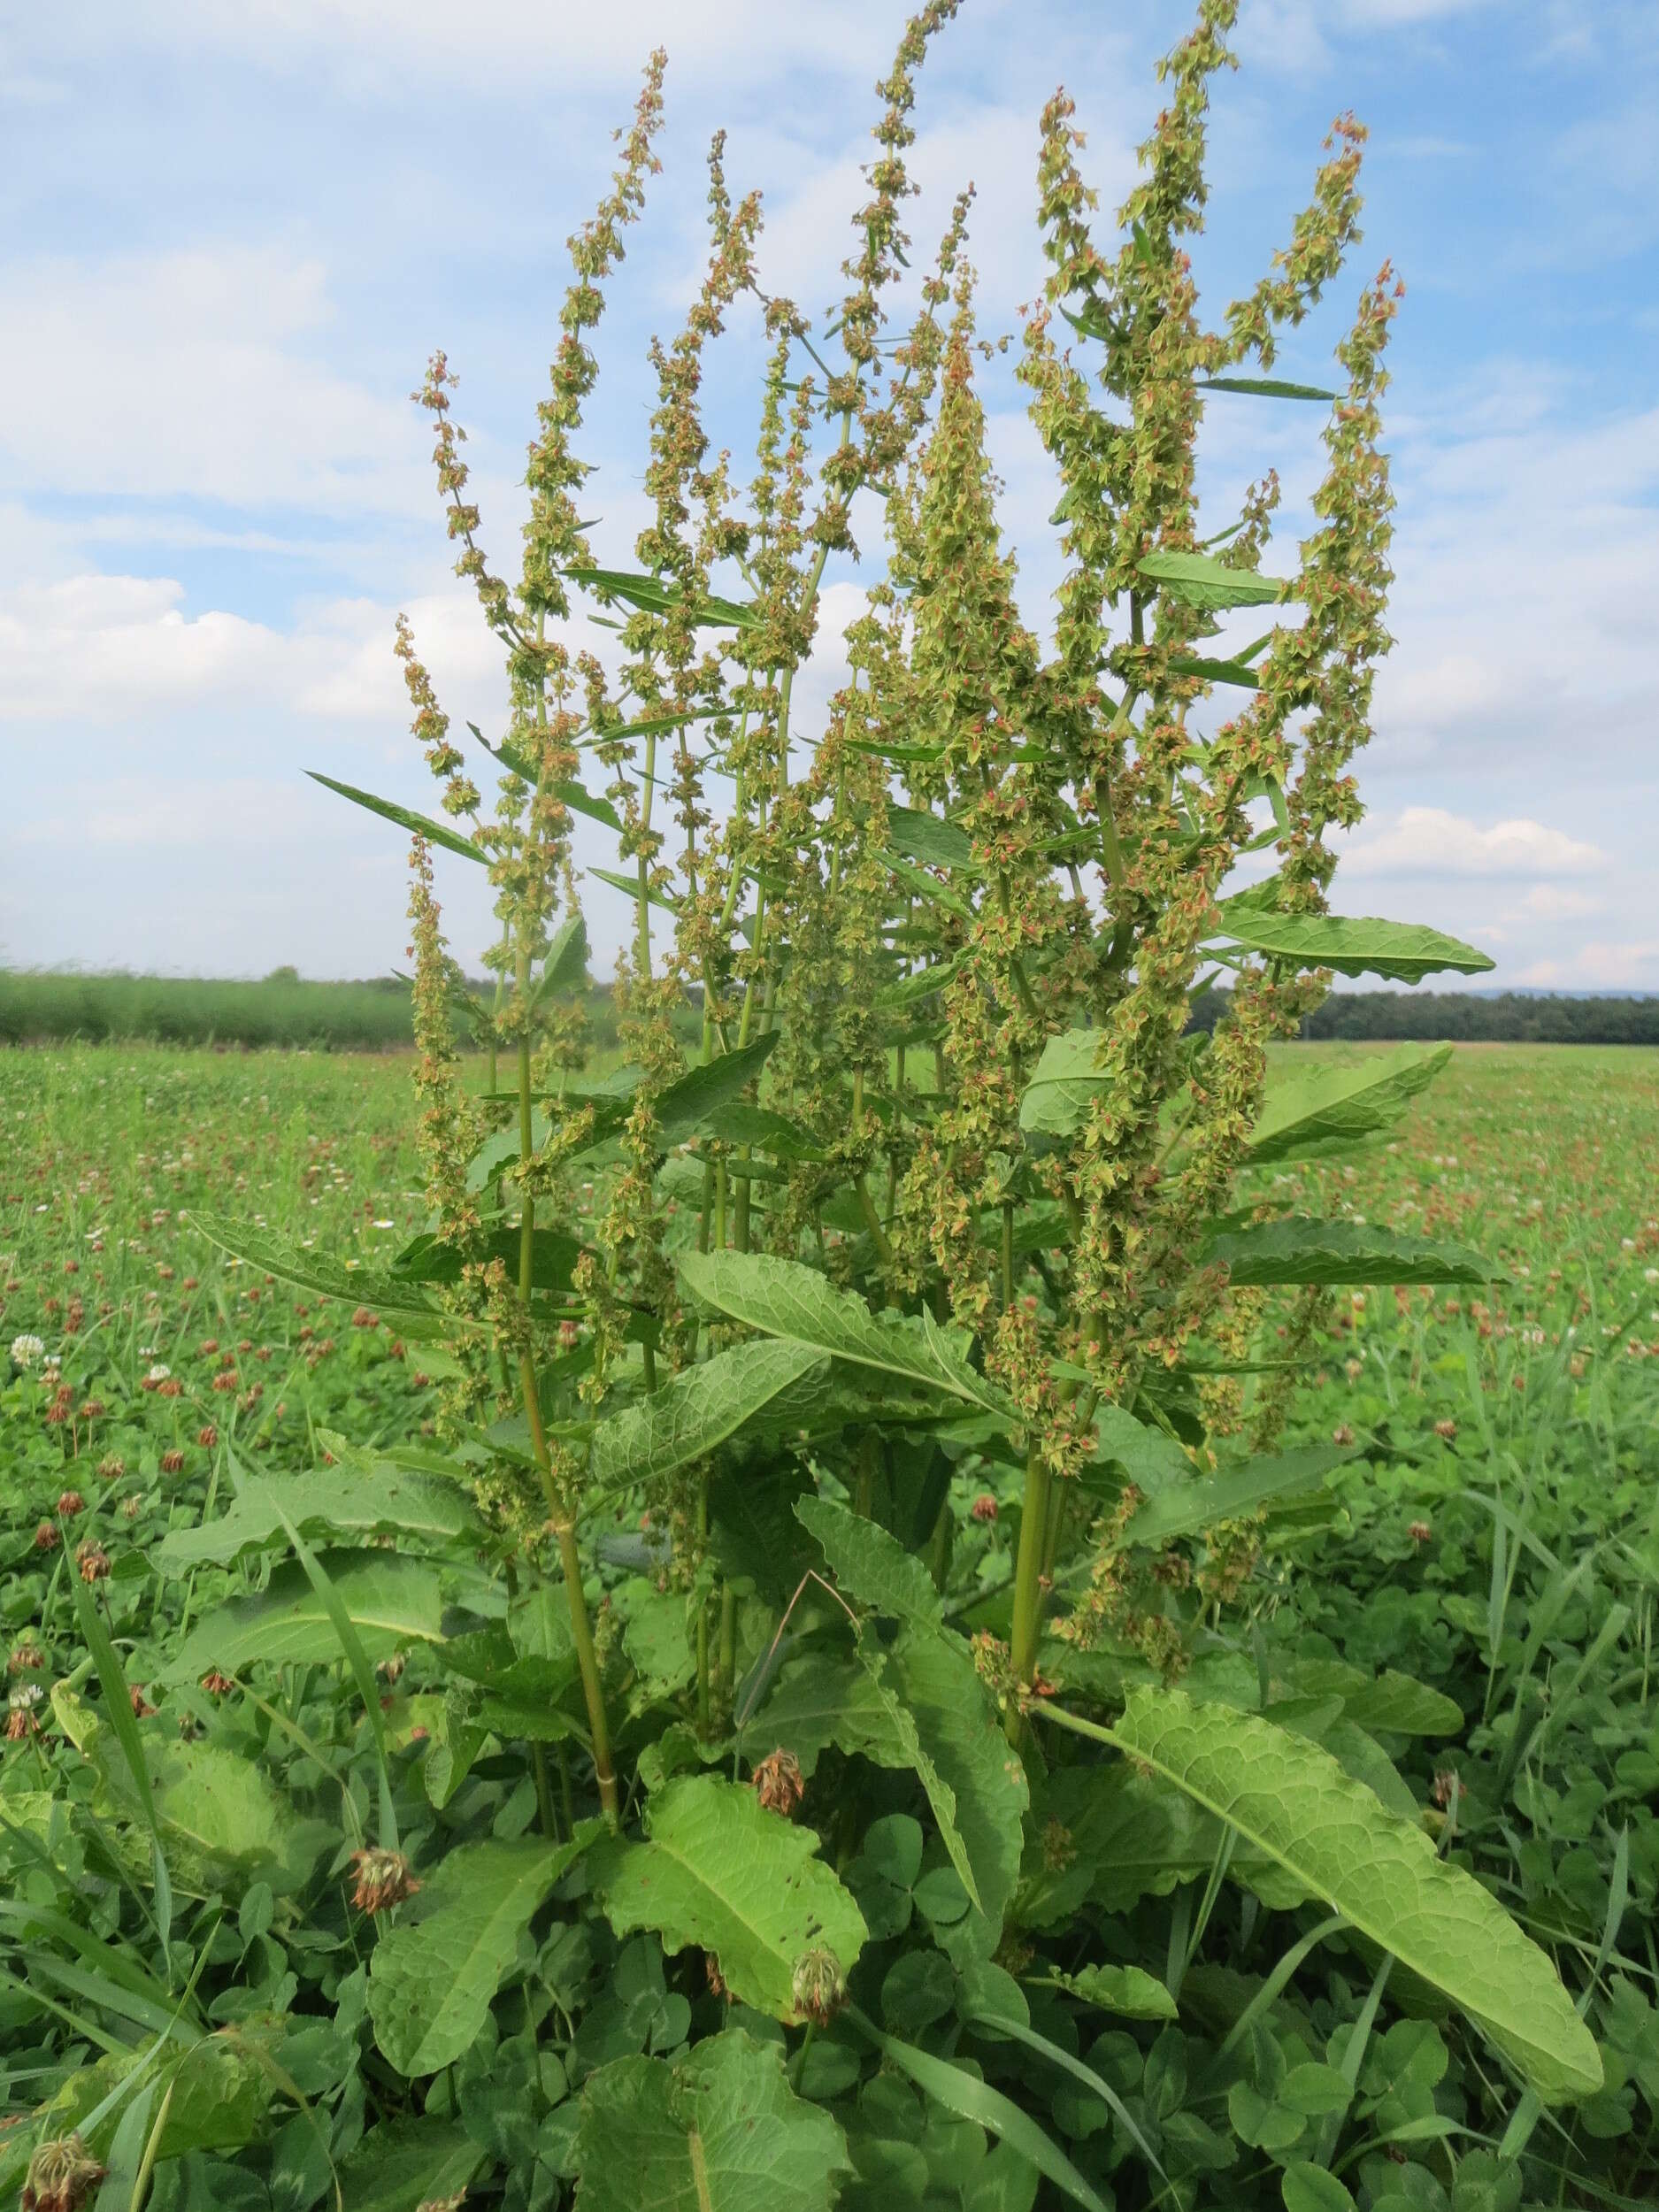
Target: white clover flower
x=26 y=1352
x=158 y=1372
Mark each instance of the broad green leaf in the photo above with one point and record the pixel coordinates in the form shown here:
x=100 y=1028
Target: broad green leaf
x=929 y=838
x=435 y=1976
x=217 y=1813
x=629 y=887
x=961 y=1730
x=904 y=1746
x=870 y=1565
x=404 y=2163
x=920 y=885
x=1294 y=1803
x=1299 y=1250
x=582 y=801
x=1306 y=2187
x=697 y=1410
x=1263 y=387
x=453 y=840
x=1238 y=672
x=553 y=1256
x=1197 y=580
x=719 y=1870
x=1351 y=944
x=717 y=2131
x=316 y=1271
x=783 y=1298
x=912 y=988
x=1151 y=1459
x=694 y=1103
x=322 y=1501
x=1128 y=1991
x=1231 y=1495
x=1388 y=1704
x=388 y=1599
x=972 y=2099
x=1333 y=1107
x=657 y=598
x=1063 y=1085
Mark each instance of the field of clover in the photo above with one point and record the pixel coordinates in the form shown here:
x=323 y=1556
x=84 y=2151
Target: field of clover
x=954 y=1595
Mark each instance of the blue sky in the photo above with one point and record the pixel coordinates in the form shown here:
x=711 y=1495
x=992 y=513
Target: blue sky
x=234 y=233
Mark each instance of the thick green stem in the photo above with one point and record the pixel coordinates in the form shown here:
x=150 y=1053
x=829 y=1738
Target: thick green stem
x=1033 y=1534
x=558 y=1511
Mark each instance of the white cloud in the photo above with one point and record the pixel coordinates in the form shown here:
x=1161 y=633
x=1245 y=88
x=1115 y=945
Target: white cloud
x=1599 y=966
x=1427 y=840
x=198 y=375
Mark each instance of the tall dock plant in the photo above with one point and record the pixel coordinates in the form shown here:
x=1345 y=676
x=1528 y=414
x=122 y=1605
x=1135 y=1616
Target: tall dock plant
x=944 y=1203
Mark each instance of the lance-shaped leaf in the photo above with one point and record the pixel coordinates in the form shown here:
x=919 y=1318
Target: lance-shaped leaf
x=783 y=1298
x=694 y=1101
x=719 y=1870
x=1198 y=579
x=316 y=1271
x=433 y=1976
x=1351 y=944
x=453 y=840
x=1129 y=1991
x=698 y=1410
x=1262 y=387
x=657 y=597
x=1312 y=1115
x=929 y=838
x=629 y=887
x=1293 y=1803
x=1184 y=1509
x=719 y=2130
x=1210 y=672
x=1063 y=1085
x=1299 y=1250
x=323 y=1501
x=388 y=1601
x=553 y=1257
x=871 y=1566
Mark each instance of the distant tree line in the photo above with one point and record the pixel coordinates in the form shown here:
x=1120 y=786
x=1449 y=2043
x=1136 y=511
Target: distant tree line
x=1513 y=1018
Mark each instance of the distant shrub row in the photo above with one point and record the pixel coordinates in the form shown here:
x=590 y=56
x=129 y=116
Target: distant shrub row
x=46 y=1006
x=1468 y=1017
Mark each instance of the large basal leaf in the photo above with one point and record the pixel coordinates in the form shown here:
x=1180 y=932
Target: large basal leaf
x=316 y=1271
x=719 y=2130
x=402 y=2164
x=453 y=840
x=217 y=1814
x=1293 y=1802
x=961 y=1730
x=434 y=1978
x=422 y=1509
x=1185 y=1508
x=1299 y=1250
x=871 y=1566
x=1312 y=1114
x=783 y=1298
x=1198 y=579
x=1352 y=944
x=698 y=1410
x=1387 y=1704
x=388 y=1601
x=719 y=1870
x=1063 y=1085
